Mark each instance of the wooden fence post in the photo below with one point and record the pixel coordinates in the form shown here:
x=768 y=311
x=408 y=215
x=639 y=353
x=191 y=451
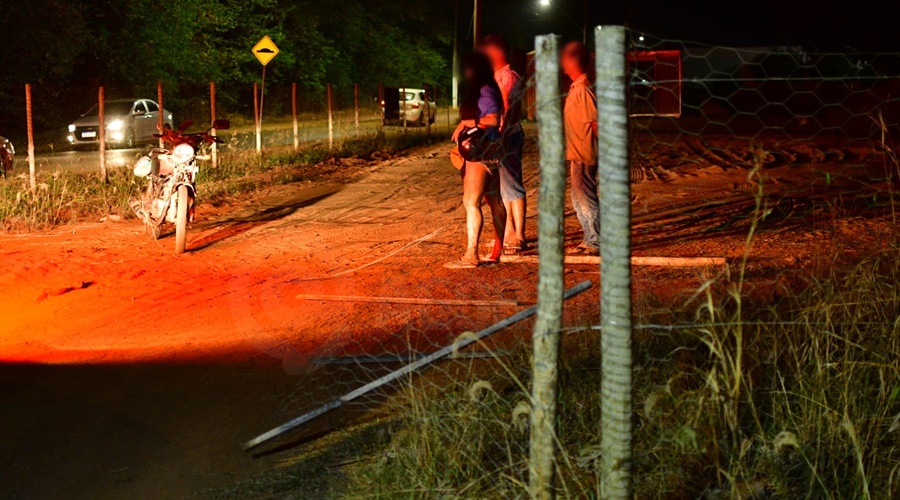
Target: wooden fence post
x=330 y=117
x=356 y=107
x=427 y=111
x=101 y=131
x=542 y=449
x=403 y=108
x=615 y=252
x=161 y=122
x=212 y=115
x=29 y=126
x=294 y=113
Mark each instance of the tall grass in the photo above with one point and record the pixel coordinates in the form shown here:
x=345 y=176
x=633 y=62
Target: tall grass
x=63 y=197
x=797 y=398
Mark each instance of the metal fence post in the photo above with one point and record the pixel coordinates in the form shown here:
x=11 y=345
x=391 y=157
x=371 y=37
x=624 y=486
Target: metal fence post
x=330 y=117
x=615 y=250
x=212 y=115
x=550 y=273
x=101 y=132
x=294 y=113
x=30 y=130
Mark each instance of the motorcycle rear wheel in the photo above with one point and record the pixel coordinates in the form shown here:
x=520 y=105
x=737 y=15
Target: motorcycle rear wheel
x=181 y=218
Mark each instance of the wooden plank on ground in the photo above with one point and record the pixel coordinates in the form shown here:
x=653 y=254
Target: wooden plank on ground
x=636 y=261
x=410 y=300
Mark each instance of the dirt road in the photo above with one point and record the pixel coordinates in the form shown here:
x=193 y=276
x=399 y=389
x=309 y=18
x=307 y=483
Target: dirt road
x=129 y=371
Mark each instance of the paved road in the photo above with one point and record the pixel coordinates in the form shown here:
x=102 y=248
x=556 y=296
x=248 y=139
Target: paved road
x=274 y=135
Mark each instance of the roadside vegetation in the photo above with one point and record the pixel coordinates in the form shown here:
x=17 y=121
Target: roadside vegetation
x=736 y=397
x=65 y=197
x=791 y=390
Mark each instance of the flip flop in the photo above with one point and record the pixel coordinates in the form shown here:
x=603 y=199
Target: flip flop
x=512 y=249
x=460 y=264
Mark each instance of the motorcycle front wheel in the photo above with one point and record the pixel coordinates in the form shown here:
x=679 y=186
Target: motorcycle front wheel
x=181 y=219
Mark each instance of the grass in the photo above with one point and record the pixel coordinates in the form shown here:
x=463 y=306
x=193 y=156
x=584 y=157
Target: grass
x=65 y=197
x=738 y=397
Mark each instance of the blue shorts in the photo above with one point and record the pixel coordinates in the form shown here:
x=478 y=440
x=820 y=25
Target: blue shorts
x=511 y=184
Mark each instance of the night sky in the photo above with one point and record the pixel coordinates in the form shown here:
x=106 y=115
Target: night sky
x=825 y=24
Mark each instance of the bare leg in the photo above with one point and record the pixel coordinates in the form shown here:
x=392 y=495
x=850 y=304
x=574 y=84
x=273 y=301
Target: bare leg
x=500 y=218
x=474 y=185
x=515 y=222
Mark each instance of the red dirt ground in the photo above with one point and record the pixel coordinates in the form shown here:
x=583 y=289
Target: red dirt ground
x=129 y=371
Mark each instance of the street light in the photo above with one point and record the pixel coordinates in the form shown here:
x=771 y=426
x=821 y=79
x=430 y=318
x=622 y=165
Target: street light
x=545 y=3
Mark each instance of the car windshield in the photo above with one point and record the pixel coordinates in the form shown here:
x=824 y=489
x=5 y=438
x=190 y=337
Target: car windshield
x=410 y=96
x=119 y=108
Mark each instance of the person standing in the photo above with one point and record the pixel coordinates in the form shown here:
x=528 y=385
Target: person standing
x=512 y=187
x=482 y=108
x=580 y=118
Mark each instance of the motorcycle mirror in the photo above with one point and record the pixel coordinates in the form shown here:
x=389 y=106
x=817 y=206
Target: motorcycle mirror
x=185 y=124
x=221 y=124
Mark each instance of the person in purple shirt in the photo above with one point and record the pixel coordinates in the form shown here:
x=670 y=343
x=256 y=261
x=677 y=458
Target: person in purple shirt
x=483 y=108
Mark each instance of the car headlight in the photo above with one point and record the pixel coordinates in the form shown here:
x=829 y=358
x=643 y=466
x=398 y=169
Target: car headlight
x=115 y=125
x=72 y=128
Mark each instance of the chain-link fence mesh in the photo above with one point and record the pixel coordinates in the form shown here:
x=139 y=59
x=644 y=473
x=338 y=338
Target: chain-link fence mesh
x=773 y=372
x=770 y=372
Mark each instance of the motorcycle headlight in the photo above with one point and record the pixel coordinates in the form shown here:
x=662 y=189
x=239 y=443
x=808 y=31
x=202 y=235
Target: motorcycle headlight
x=72 y=127
x=183 y=153
x=143 y=167
x=115 y=125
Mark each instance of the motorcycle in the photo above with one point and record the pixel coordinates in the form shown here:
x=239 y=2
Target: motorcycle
x=7 y=156
x=172 y=172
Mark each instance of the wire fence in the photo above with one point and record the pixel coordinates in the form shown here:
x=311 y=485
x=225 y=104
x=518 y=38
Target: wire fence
x=747 y=210
x=63 y=118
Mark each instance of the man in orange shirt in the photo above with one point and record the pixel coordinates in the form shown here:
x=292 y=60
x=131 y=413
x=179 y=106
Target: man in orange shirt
x=580 y=118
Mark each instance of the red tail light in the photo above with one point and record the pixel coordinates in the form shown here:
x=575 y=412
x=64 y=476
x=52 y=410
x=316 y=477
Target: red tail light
x=415 y=105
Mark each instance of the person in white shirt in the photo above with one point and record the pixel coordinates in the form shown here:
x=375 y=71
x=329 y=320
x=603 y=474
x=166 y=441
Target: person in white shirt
x=512 y=188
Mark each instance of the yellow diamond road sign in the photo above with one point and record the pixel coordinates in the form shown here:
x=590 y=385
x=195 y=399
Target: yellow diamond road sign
x=265 y=50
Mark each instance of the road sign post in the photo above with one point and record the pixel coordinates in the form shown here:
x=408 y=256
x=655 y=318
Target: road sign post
x=265 y=50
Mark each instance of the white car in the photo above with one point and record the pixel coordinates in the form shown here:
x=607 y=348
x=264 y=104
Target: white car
x=129 y=122
x=412 y=103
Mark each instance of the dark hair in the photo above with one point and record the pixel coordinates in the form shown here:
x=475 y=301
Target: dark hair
x=498 y=41
x=580 y=53
x=482 y=74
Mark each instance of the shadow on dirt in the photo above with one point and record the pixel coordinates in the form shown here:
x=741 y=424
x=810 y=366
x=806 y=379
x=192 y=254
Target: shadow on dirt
x=272 y=210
